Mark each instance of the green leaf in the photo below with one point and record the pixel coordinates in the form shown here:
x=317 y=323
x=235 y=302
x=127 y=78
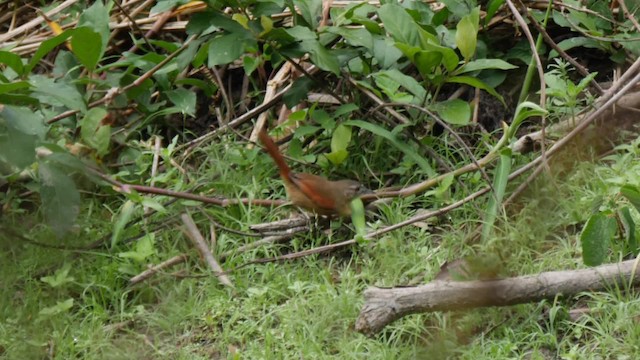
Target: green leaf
x=337 y=157
x=60 y=277
x=477 y=84
x=126 y=212
x=484 y=64
x=400 y=79
x=492 y=8
x=184 y=100
x=96 y=17
x=353 y=37
x=524 y=110
x=339 y=143
x=93 y=132
x=595 y=238
x=225 y=49
x=632 y=194
x=13 y=86
x=310 y=11
x=13 y=61
x=23 y=130
x=298 y=91
x=341 y=138
x=401 y=26
x=457 y=7
x=321 y=56
x=144 y=249
x=454 y=111
x=60 y=198
x=357 y=217
x=467 y=33
x=86 y=45
x=402 y=146
x=24 y=120
x=580 y=41
x=500 y=179
x=57 y=93
x=629 y=227
x=45 y=47
x=60 y=307
x=442 y=188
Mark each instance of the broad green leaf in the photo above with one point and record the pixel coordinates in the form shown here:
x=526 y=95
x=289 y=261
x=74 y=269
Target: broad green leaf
x=580 y=41
x=126 y=212
x=400 y=25
x=24 y=129
x=427 y=61
x=400 y=79
x=484 y=64
x=310 y=11
x=60 y=307
x=337 y=157
x=345 y=109
x=144 y=248
x=241 y=19
x=60 y=198
x=250 y=63
x=402 y=146
x=24 y=120
x=341 y=138
x=357 y=217
x=632 y=194
x=86 y=45
x=595 y=238
x=321 y=56
x=467 y=33
x=267 y=25
x=500 y=179
x=12 y=60
x=96 y=17
x=457 y=7
x=183 y=99
x=353 y=37
x=45 y=47
x=454 y=111
x=60 y=277
x=93 y=132
x=57 y=93
x=477 y=84
x=629 y=227
x=339 y=143
x=492 y=8
x=298 y=91
x=385 y=52
x=225 y=49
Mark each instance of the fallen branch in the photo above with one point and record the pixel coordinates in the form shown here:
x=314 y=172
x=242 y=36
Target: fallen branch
x=383 y=306
x=198 y=241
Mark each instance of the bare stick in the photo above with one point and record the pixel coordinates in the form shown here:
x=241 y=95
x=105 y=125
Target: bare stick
x=201 y=245
x=383 y=306
x=154 y=269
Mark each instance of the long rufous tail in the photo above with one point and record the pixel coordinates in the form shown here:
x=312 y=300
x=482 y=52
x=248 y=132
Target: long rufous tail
x=272 y=149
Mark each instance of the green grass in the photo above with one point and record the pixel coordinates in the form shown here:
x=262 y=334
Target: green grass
x=306 y=308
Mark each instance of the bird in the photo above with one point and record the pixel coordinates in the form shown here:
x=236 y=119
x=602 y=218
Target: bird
x=314 y=193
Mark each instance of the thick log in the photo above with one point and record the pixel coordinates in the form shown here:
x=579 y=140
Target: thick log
x=383 y=306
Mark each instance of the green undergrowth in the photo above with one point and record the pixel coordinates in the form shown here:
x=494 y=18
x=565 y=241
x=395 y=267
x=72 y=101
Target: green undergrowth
x=306 y=308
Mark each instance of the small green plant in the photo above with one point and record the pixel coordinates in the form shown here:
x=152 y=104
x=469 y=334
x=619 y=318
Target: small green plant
x=615 y=215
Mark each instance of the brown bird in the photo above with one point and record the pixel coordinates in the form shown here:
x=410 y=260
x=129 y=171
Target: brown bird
x=311 y=192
